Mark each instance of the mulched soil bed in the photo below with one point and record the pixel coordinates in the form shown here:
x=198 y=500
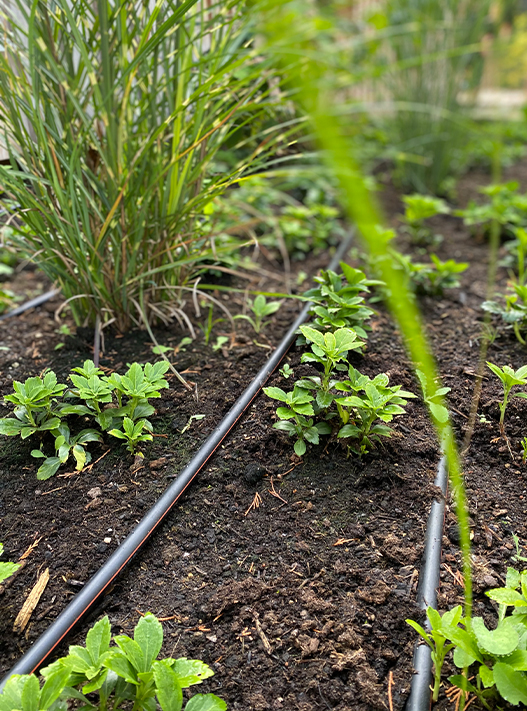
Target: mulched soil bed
x=297 y=597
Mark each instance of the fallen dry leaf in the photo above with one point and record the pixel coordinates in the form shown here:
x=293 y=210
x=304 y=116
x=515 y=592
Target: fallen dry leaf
x=31 y=602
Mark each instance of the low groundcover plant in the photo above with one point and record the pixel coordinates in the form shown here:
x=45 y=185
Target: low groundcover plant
x=7 y=569
x=363 y=412
x=497 y=657
x=103 y=677
x=117 y=403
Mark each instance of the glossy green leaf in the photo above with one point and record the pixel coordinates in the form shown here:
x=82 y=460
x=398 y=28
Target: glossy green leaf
x=206 y=702
x=168 y=688
x=503 y=640
x=49 y=468
x=148 y=634
x=511 y=684
x=300 y=448
x=31 y=694
x=98 y=638
x=54 y=684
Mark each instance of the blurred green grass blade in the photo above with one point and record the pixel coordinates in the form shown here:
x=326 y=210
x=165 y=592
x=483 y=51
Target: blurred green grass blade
x=290 y=31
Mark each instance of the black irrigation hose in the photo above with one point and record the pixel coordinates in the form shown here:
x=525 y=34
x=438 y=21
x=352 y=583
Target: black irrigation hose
x=48 y=641
x=31 y=304
x=420 y=695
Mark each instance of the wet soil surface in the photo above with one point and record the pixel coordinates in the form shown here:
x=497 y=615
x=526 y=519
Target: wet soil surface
x=292 y=579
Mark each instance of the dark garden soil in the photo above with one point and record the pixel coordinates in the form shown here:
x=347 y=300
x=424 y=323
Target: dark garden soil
x=292 y=579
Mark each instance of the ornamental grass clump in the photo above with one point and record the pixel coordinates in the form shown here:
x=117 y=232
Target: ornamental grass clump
x=112 y=113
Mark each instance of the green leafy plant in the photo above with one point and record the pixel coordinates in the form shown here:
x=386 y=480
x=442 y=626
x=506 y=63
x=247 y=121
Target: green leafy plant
x=220 y=342
x=338 y=302
x=506 y=207
x=260 y=308
x=37 y=409
x=444 y=276
x=286 y=371
x=422 y=278
x=436 y=639
x=509 y=379
x=513 y=310
x=419 y=208
x=133 y=433
x=66 y=444
x=94 y=390
x=126 y=120
x=296 y=418
x=103 y=677
x=139 y=384
x=35 y=406
x=431 y=279
x=498 y=655
x=369 y=400
x=308 y=228
x=524 y=449
x=433 y=398
x=328 y=350
x=7 y=569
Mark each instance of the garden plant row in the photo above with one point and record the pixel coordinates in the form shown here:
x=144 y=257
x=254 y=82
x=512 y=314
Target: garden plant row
x=291 y=576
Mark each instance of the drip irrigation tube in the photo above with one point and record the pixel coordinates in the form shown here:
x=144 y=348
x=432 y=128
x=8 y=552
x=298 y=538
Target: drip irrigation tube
x=31 y=304
x=420 y=695
x=48 y=641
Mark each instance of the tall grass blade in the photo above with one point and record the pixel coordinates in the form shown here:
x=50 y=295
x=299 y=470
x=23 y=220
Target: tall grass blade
x=302 y=52
x=113 y=112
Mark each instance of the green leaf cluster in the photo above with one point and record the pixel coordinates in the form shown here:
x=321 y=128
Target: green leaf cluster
x=419 y=208
x=106 y=678
x=509 y=379
x=117 y=403
x=513 y=310
x=430 y=278
x=505 y=206
x=260 y=309
x=339 y=302
x=296 y=418
x=497 y=657
x=368 y=401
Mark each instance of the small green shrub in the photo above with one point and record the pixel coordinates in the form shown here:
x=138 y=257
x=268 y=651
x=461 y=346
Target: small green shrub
x=509 y=379
x=506 y=207
x=496 y=657
x=368 y=401
x=513 y=310
x=117 y=403
x=339 y=301
x=100 y=676
x=419 y=208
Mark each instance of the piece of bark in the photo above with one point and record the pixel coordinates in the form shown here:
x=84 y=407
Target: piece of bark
x=31 y=602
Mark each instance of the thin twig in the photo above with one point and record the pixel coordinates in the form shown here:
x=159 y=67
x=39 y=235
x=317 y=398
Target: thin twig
x=273 y=492
x=256 y=503
x=390 y=683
